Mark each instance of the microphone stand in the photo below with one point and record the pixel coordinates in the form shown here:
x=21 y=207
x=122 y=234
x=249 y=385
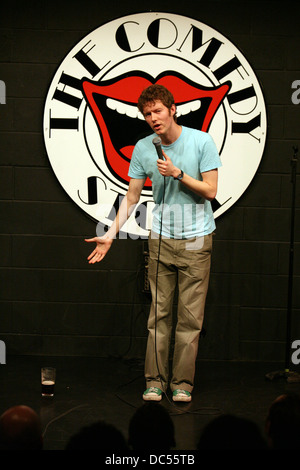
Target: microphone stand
x=287 y=373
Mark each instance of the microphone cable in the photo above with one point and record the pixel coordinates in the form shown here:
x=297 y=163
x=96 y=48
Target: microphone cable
x=156 y=287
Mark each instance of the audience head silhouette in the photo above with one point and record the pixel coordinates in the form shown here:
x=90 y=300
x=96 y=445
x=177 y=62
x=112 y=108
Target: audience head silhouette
x=283 y=422
x=151 y=428
x=20 y=429
x=231 y=432
x=97 y=436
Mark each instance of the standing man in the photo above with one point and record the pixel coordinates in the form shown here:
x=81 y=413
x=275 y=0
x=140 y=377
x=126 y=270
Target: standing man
x=180 y=243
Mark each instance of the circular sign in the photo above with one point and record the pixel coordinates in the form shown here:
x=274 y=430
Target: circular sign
x=91 y=121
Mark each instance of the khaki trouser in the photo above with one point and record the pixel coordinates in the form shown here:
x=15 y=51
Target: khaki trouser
x=186 y=263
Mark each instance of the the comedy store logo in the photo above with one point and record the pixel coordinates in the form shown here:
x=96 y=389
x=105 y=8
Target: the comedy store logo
x=91 y=121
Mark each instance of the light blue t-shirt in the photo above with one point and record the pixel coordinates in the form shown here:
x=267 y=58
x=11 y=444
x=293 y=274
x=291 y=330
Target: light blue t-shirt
x=184 y=213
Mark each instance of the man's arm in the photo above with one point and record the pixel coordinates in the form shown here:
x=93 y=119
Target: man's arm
x=127 y=206
x=206 y=188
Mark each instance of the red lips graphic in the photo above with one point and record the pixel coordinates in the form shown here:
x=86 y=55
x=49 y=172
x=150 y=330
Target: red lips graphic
x=127 y=89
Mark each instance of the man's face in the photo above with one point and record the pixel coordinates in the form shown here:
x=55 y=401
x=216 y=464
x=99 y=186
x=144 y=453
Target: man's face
x=159 y=117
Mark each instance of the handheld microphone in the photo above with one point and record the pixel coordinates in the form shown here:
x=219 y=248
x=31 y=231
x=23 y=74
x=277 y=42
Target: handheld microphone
x=157 y=142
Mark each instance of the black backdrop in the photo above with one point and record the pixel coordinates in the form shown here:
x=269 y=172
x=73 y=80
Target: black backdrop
x=52 y=301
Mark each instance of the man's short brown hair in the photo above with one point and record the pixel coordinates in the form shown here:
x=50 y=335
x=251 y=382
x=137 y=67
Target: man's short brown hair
x=155 y=93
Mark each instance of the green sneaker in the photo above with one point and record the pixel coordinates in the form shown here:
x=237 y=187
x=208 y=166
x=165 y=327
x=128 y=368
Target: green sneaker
x=153 y=394
x=181 y=395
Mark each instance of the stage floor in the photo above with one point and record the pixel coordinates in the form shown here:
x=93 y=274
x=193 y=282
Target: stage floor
x=88 y=389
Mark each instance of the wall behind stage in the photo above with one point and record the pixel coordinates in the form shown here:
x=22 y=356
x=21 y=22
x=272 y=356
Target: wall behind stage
x=52 y=301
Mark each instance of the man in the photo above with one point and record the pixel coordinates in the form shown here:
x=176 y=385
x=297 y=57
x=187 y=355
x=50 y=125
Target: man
x=183 y=184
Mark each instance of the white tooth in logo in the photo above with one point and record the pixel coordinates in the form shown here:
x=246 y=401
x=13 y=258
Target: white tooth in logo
x=122 y=108
x=188 y=107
